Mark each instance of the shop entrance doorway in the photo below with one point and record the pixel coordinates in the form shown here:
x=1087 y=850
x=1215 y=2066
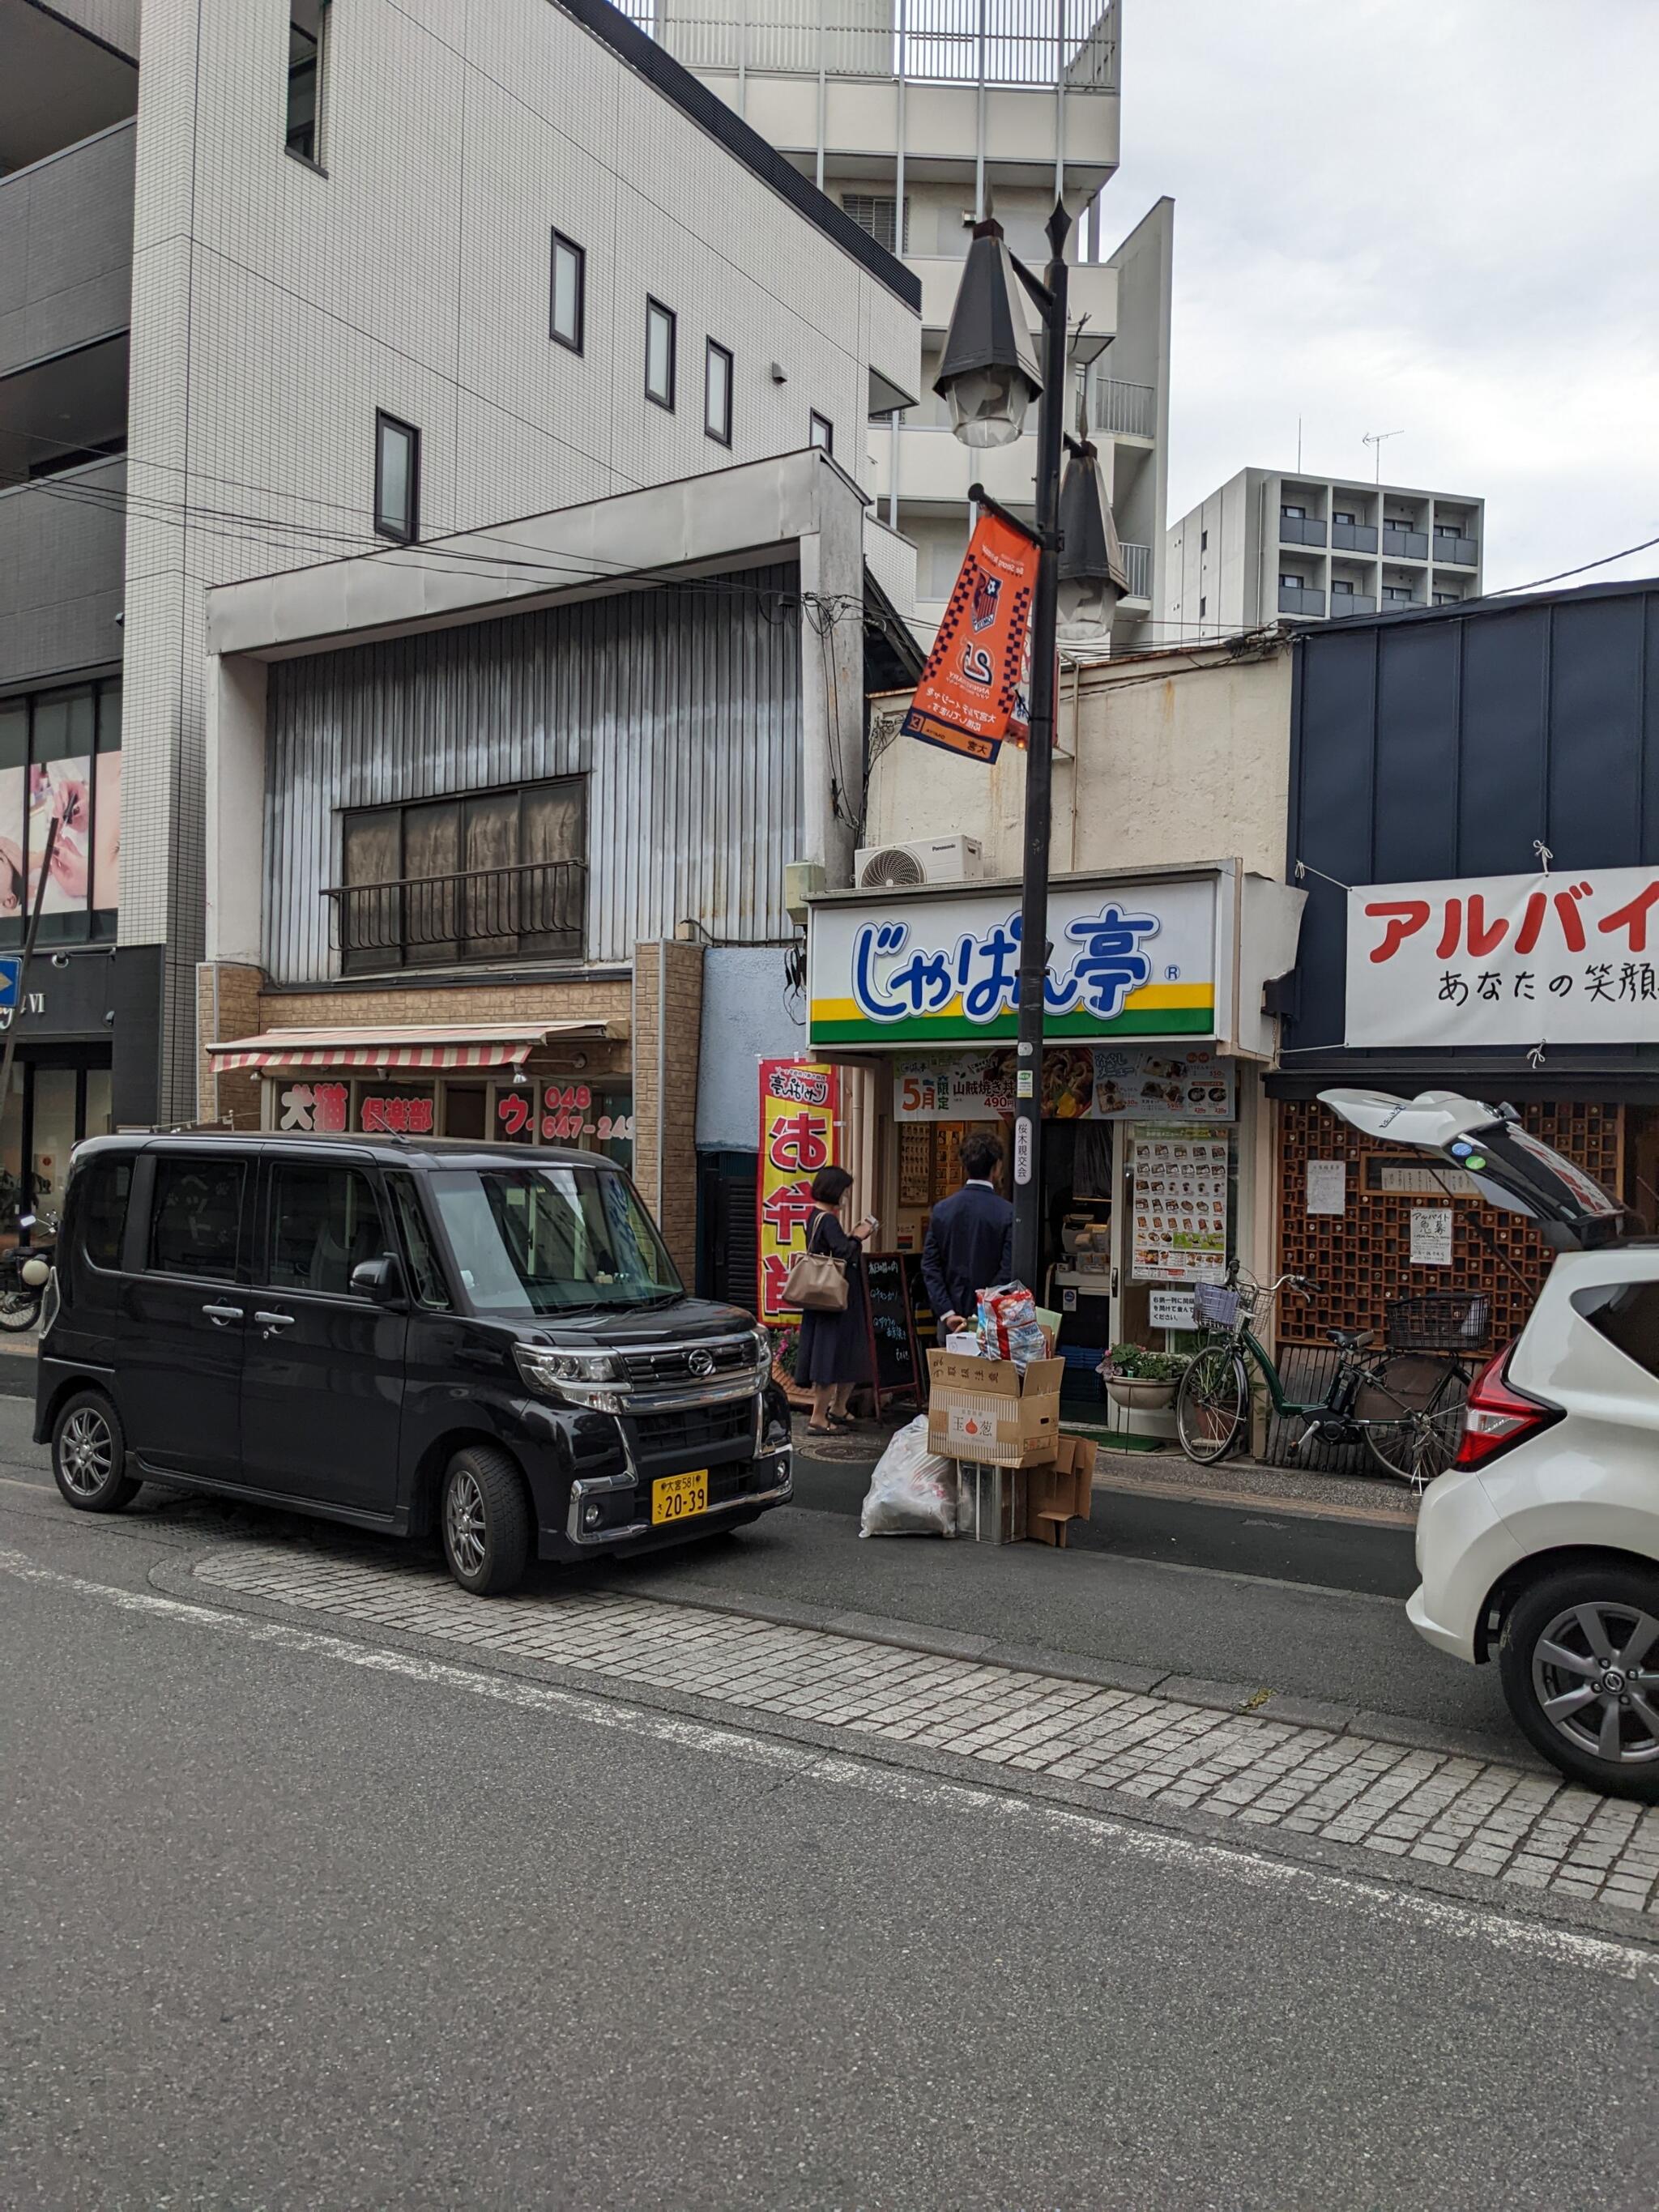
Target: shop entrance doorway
x=58 y=1096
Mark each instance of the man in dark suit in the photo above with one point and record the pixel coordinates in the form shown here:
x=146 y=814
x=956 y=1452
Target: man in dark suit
x=970 y=1238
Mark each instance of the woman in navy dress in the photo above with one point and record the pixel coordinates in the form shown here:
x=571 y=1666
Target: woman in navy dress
x=834 y=1356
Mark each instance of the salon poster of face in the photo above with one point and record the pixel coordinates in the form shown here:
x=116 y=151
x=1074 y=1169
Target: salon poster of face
x=62 y=788
x=12 y=782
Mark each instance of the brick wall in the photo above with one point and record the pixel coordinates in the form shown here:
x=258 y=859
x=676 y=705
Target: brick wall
x=227 y=1005
x=668 y=1028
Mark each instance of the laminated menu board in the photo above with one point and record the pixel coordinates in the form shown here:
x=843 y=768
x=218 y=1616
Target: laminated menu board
x=1180 y=1227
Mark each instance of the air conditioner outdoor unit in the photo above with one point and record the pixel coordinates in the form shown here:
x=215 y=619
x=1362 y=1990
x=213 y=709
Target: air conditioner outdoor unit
x=934 y=861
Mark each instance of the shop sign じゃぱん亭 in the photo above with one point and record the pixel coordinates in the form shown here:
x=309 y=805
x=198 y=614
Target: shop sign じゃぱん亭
x=1080 y=1083
x=798 y=1136
x=1126 y=961
x=1571 y=957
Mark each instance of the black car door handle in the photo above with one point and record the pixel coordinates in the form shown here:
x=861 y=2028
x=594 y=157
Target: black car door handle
x=220 y=1315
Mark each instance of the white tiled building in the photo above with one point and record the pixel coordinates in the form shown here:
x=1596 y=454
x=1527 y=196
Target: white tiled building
x=917 y=116
x=343 y=229
x=1271 y=546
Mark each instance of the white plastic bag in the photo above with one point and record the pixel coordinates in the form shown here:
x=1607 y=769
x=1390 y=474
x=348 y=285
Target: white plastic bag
x=913 y=1491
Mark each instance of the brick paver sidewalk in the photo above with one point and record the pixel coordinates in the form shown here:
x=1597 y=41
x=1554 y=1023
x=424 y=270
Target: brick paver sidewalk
x=1478 y=1817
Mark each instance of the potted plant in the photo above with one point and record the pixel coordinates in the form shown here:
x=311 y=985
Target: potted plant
x=1143 y=1380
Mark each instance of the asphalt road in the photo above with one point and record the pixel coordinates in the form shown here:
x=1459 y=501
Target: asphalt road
x=291 y=1924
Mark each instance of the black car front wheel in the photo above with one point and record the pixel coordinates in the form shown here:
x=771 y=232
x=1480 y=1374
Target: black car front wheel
x=89 y=1454
x=1579 y=1660
x=484 y=1516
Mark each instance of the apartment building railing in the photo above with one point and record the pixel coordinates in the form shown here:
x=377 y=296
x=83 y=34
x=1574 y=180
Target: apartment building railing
x=1301 y=529
x=1462 y=551
x=1126 y=411
x=1004 y=42
x=1353 y=538
x=1352 y=603
x=1410 y=545
x=1138 y=567
x=1300 y=600
x=476 y=914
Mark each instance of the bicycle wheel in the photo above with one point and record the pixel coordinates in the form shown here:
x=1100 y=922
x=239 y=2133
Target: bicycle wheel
x=1413 y=1409
x=1211 y=1403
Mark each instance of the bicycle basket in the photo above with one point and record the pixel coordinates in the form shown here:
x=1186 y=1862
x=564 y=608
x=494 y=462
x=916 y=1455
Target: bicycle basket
x=1215 y=1306
x=1447 y=1321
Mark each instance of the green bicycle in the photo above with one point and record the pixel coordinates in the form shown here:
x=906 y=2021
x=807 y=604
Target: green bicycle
x=1404 y=1402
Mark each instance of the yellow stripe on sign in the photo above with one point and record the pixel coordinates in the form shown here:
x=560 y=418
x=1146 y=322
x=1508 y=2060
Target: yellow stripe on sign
x=1150 y=998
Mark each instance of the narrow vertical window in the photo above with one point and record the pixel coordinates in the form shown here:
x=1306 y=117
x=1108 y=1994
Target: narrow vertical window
x=397 y=478
x=660 y=353
x=569 y=291
x=822 y=433
x=308 y=26
x=717 y=394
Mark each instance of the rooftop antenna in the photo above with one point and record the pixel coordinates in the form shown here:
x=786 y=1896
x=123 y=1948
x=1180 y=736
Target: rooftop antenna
x=1375 y=438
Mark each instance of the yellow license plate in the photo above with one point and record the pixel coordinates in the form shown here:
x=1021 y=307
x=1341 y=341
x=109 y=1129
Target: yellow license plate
x=678 y=1496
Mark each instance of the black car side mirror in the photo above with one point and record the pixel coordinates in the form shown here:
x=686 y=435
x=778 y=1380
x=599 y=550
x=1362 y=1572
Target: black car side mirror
x=381 y=1279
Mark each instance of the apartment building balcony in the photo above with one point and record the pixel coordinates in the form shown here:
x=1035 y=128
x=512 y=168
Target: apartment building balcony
x=1301 y=529
x=66 y=248
x=1300 y=599
x=1353 y=538
x=1404 y=545
x=62 y=543
x=1120 y=410
x=1456 y=551
x=1351 y=603
x=768 y=60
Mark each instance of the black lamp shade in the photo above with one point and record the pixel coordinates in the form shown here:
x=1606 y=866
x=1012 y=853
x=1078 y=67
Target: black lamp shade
x=988 y=371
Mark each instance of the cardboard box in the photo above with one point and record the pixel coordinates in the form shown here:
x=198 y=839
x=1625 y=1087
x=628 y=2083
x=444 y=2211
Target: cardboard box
x=1063 y=1491
x=986 y=1410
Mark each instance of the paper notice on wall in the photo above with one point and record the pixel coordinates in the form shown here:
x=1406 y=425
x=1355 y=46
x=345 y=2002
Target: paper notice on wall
x=1328 y=1187
x=1171 y=1310
x=1432 y=1236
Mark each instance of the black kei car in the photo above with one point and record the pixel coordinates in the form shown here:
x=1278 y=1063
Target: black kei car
x=490 y=1340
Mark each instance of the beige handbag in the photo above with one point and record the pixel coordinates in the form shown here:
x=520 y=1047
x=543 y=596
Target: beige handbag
x=815 y=1282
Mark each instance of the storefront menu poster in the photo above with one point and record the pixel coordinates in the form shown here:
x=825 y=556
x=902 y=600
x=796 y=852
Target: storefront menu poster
x=798 y=1136
x=1080 y=1083
x=1180 y=1204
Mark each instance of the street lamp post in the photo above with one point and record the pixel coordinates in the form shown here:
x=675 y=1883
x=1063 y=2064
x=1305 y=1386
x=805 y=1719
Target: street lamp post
x=988 y=374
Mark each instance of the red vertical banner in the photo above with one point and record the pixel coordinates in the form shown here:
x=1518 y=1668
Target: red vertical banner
x=798 y=1104
x=974 y=685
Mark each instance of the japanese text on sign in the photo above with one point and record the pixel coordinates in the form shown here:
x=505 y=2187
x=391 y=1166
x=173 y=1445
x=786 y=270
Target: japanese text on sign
x=970 y=696
x=1560 y=959
x=798 y=1101
x=894 y=981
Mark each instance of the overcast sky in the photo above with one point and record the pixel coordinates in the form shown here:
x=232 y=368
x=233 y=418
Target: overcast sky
x=1435 y=217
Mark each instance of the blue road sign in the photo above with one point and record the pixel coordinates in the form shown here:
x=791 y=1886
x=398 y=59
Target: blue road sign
x=11 y=975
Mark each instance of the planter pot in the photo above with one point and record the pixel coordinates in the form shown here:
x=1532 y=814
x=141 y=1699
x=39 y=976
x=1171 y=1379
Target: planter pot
x=1138 y=1394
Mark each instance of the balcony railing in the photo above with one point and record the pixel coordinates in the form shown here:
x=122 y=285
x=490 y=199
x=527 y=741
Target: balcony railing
x=1138 y=567
x=1010 y=42
x=1300 y=601
x=1461 y=552
x=1411 y=545
x=1301 y=529
x=1124 y=410
x=1351 y=603
x=536 y=907
x=1353 y=538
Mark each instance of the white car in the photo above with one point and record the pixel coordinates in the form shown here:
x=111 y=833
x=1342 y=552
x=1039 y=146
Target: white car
x=1539 y=1546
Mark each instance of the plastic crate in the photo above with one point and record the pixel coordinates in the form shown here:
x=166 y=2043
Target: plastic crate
x=1446 y=1321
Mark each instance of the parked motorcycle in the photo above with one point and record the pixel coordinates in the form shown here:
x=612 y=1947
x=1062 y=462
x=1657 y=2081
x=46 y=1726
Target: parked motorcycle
x=25 y=1271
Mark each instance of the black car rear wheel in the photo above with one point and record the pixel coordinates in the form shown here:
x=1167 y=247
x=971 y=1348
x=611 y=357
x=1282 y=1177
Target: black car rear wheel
x=89 y=1454
x=485 y=1520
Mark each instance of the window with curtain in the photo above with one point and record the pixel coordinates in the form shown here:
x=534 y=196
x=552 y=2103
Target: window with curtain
x=493 y=875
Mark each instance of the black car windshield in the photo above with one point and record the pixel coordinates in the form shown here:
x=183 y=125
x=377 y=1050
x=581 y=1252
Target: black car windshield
x=548 y=1240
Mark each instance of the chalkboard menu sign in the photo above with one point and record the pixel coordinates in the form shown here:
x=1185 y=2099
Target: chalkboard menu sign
x=898 y=1369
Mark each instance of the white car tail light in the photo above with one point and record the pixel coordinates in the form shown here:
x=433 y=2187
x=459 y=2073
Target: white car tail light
x=1499 y=1415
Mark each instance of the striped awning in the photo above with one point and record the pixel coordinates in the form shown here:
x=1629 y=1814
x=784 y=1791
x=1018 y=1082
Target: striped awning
x=433 y=1048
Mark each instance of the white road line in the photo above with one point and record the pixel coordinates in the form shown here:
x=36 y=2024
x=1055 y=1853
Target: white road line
x=1381 y=1901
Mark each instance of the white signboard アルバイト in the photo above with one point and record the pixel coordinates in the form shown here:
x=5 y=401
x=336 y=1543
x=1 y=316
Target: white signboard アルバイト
x=1562 y=958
